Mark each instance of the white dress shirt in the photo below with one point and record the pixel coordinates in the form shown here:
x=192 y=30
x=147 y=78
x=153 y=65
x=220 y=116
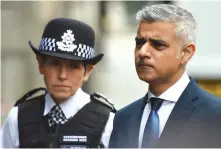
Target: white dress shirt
x=170 y=97
x=9 y=131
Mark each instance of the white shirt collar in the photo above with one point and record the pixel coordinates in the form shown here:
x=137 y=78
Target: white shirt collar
x=174 y=92
x=71 y=106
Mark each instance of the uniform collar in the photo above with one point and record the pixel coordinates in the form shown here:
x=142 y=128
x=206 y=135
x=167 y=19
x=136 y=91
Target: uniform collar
x=70 y=106
x=174 y=92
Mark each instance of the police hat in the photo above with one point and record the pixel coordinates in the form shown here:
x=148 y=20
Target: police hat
x=68 y=39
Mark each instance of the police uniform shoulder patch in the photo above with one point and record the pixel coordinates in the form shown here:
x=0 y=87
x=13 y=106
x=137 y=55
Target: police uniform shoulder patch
x=101 y=98
x=29 y=94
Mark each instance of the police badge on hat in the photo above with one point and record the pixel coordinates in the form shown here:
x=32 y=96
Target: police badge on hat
x=68 y=39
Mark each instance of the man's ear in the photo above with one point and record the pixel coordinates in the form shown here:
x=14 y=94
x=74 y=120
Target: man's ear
x=40 y=61
x=187 y=53
x=89 y=69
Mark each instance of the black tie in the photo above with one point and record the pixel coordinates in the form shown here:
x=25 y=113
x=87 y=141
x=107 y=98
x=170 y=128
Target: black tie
x=56 y=116
x=152 y=128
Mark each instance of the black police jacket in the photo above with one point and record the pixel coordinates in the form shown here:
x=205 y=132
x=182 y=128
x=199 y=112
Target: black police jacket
x=83 y=130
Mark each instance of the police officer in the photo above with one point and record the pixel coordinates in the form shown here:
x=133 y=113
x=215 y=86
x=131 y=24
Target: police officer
x=65 y=116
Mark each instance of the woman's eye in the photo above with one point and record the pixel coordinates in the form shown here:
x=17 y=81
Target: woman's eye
x=75 y=66
x=53 y=62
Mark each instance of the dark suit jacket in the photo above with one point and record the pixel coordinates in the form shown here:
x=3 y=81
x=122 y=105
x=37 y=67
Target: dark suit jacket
x=194 y=122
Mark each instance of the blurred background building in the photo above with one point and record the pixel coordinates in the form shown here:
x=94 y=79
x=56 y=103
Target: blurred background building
x=115 y=27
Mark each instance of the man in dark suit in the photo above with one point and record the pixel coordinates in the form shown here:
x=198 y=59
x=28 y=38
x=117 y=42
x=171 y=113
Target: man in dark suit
x=175 y=112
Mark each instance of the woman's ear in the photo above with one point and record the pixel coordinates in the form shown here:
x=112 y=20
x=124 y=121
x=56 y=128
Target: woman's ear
x=89 y=70
x=187 y=53
x=40 y=61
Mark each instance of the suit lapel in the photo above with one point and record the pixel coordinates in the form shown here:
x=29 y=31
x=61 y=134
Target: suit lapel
x=134 y=123
x=180 y=114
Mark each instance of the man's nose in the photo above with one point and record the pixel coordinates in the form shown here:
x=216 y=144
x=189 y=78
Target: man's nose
x=144 y=51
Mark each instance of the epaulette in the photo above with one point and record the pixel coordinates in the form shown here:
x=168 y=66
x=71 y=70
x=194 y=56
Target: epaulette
x=29 y=94
x=103 y=100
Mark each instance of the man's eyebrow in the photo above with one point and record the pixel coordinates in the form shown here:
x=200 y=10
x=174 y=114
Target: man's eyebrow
x=139 y=38
x=157 y=40
x=140 y=41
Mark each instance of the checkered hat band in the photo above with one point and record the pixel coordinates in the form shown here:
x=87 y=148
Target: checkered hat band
x=49 y=44
x=84 y=51
x=56 y=116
